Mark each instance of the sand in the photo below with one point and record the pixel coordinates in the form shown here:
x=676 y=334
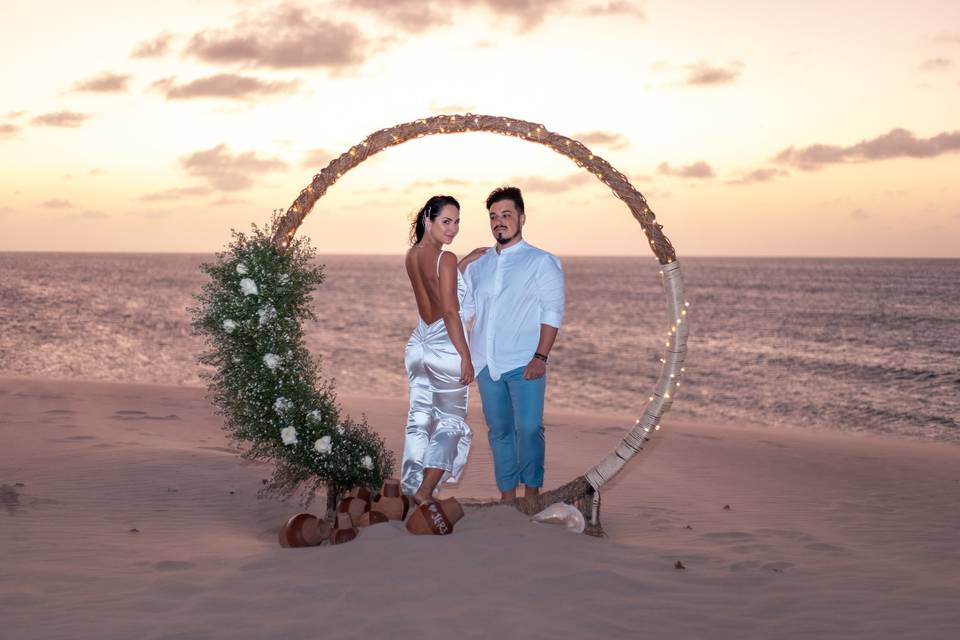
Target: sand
x=124 y=513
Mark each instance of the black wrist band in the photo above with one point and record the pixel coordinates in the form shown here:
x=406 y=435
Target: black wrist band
x=540 y=356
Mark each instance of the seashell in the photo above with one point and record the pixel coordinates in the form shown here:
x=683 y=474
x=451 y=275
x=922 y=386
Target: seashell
x=563 y=514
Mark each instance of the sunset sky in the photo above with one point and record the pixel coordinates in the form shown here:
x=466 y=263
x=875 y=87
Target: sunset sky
x=753 y=128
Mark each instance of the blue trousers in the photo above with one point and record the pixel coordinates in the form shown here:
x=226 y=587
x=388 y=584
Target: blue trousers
x=513 y=409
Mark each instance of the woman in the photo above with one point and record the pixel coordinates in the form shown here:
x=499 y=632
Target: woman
x=437 y=356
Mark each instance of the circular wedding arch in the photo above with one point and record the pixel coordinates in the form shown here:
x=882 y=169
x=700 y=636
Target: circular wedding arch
x=584 y=491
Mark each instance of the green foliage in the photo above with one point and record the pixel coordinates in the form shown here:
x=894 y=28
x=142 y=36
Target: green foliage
x=263 y=380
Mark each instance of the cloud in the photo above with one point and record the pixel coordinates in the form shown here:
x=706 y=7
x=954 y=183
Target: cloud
x=416 y=16
x=224 y=85
x=176 y=193
x=447 y=182
x=442 y=109
x=699 y=169
x=286 y=37
x=949 y=38
x=8 y=130
x=153 y=48
x=70 y=119
x=149 y=213
x=228 y=171
x=615 y=7
x=317 y=158
x=13 y=115
x=758 y=175
x=96 y=172
x=227 y=201
x=89 y=214
x=552 y=185
x=935 y=64
x=56 y=204
x=603 y=138
x=704 y=74
x=898 y=143
x=104 y=83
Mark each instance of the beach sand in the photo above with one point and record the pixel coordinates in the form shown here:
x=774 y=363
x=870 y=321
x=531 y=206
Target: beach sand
x=125 y=513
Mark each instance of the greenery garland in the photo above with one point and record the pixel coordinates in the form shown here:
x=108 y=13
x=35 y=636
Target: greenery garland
x=264 y=381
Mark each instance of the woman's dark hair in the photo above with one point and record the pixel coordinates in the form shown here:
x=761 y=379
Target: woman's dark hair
x=430 y=210
x=506 y=193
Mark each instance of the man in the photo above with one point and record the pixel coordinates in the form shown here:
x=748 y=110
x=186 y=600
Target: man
x=517 y=307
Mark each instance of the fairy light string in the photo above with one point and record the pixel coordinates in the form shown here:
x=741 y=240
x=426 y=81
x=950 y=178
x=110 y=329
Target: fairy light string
x=675 y=343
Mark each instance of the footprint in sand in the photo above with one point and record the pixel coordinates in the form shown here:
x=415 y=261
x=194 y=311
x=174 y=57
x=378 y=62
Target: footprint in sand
x=173 y=565
x=729 y=536
x=141 y=415
x=9 y=498
x=823 y=546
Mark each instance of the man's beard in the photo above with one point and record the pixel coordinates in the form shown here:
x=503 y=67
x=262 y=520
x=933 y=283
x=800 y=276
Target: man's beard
x=502 y=240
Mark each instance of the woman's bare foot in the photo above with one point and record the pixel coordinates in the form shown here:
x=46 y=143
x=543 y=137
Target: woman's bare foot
x=530 y=491
x=508 y=496
x=421 y=498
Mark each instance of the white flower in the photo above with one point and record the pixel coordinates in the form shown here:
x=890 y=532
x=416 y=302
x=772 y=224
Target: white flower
x=284 y=278
x=340 y=429
x=249 y=287
x=367 y=462
x=272 y=361
x=242 y=269
x=316 y=415
x=323 y=445
x=282 y=404
x=266 y=314
x=289 y=435
x=229 y=325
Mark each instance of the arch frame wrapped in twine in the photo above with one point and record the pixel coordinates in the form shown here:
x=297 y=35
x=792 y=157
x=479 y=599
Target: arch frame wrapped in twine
x=584 y=491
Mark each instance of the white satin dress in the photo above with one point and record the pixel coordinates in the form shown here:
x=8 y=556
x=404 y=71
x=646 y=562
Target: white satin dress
x=437 y=436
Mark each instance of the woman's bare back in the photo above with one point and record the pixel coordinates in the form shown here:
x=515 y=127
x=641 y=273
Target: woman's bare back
x=421 y=262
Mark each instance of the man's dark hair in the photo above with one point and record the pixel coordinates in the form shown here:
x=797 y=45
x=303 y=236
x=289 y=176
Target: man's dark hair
x=506 y=193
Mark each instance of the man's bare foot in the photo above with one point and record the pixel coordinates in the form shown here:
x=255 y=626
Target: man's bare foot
x=508 y=496
x=530 y=491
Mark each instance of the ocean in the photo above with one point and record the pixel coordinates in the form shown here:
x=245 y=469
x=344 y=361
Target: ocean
x=868 y=345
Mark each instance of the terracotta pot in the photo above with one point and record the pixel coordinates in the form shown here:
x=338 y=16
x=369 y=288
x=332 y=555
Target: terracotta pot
x=392 y=503
x=301 y=530
x=360 y=492
x=356 y=507
x=371 y=518
x=343 y=531
x=435 y=518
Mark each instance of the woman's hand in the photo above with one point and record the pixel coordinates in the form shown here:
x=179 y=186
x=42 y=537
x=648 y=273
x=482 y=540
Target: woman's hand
x=466 y=371
x=470 y=257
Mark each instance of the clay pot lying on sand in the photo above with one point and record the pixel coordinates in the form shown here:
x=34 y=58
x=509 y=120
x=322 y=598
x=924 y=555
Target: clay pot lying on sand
x=371 y=518
x=343 y=531
x=356 y=507
x=435 y=518
x=391 y=503
x=360 y=492
x=303 y=530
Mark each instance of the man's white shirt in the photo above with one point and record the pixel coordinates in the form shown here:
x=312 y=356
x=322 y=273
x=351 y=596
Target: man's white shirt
x=510 y=294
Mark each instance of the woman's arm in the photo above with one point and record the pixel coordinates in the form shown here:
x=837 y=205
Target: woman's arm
x=450 y=308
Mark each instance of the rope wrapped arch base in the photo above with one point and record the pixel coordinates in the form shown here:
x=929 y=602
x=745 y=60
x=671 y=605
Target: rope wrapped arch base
x=584 y=491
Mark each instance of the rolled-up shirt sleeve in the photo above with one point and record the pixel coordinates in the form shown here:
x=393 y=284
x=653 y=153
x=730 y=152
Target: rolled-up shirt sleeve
x=550 y=291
